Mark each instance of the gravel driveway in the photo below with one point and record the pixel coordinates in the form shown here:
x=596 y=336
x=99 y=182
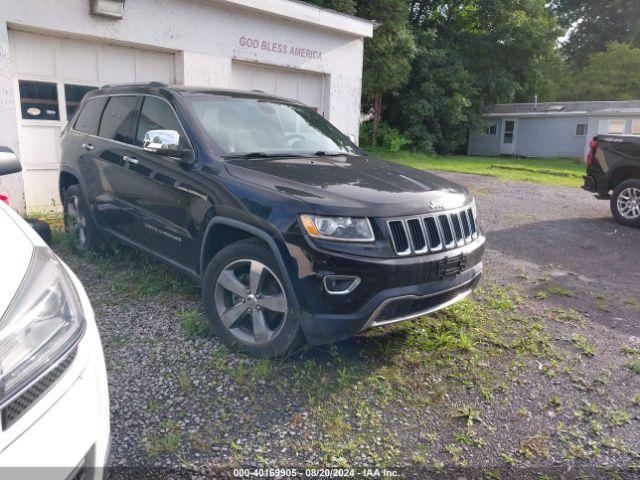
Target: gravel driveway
x=538 y=373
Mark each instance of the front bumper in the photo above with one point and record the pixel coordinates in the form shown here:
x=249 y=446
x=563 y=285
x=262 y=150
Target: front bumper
x=66 y=429
x=391 y=290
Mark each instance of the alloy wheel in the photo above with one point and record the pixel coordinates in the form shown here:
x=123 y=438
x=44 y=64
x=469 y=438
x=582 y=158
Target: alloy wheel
x=629 y=203
x=76 y=221
x=250 y=301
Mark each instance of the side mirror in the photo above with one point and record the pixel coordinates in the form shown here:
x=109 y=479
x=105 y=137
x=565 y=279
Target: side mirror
x=164 y=142
x=9 y=162
x=351 y=137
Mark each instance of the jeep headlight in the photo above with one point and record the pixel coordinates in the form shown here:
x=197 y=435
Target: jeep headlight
x=348 y=229
x=43 y=322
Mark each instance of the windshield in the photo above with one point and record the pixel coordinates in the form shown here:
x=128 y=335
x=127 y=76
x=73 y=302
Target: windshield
x=244 y=126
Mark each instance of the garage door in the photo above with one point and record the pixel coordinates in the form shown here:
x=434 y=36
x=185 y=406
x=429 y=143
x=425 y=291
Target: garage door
x=52 y=75
x=305 y=87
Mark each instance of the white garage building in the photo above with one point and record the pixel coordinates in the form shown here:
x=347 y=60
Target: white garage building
x=53 y=51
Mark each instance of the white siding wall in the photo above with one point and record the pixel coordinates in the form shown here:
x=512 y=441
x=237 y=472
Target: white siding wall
x=550 y=137
x=487 y=145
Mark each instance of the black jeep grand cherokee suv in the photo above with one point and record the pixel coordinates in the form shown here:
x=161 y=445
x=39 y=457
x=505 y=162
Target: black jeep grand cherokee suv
x=293 y=231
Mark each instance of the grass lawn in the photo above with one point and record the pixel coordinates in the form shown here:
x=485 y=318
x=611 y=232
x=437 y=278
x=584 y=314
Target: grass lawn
x=548 y=171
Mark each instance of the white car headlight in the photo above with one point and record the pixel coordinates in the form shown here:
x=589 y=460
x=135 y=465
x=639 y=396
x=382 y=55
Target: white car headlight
x=348 y=229
x=44 y=321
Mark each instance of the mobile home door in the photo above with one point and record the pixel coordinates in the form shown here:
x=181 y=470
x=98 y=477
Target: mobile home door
x=508 y=140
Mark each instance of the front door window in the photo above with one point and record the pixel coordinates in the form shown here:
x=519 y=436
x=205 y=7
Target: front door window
x=509 y=129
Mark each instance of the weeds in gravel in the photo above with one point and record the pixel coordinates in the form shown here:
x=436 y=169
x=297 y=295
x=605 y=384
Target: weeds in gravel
x=618 y=418
x=469 y=414
x=193 y=325
x=551 y=288
x=165 y=442
x=583 y=345
x=184 y=381
x=634 y=366
x=535 y=446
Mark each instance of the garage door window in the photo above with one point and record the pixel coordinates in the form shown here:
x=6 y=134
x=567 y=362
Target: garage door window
x=39 y=100
x=73 y=95
x=156 y=114
x=89 y=119
x=117 y=118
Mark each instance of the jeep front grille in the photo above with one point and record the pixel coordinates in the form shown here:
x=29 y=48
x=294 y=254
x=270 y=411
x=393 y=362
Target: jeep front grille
x=433 y=233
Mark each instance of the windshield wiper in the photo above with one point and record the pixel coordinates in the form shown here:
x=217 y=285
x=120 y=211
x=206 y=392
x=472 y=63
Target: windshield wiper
x=320 y=153
x=323 y=153
x=257 y=155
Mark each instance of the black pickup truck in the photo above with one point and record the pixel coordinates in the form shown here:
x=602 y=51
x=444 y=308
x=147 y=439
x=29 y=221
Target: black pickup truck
x=613 y=173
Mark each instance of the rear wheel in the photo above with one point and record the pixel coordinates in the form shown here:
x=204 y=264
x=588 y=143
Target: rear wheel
x=246 y=302
x=625 y=203
x=78 y=223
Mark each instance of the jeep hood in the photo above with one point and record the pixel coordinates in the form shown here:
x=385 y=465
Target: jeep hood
x=353 y=185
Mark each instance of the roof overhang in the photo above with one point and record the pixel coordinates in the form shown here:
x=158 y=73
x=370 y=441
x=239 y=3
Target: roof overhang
x=535 y=114
x=601 y=113
x=309 y=14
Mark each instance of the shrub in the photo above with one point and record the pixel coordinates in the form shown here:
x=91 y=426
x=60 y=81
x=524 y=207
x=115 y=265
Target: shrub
x=389 y=138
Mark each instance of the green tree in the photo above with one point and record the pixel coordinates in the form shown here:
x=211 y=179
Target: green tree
x=387 y=56
x=594 y=24
x=610 y=75
x=472 y=53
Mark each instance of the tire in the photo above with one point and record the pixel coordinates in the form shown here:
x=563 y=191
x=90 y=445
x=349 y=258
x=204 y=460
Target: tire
x=78 y=222
x=42 y=228
x=625 y=203
x=246 y=303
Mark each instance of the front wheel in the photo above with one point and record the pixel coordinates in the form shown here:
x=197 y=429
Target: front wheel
x=625 y=203
x=246 y=302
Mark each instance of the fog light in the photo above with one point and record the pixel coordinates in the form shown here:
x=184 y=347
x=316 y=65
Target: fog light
x=340 y=284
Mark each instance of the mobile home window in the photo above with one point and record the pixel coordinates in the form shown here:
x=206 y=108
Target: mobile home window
x=612 y=126
x=491 y=130
x=616 y=127
x=581 y=129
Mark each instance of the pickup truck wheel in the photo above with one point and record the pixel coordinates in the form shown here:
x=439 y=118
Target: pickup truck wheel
x=625 y=203
x=78 y=223
x=246 y=302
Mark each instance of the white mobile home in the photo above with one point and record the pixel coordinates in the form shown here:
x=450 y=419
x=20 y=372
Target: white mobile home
x=559 y=129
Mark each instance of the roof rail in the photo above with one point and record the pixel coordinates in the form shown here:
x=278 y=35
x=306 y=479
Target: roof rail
x=147 y=84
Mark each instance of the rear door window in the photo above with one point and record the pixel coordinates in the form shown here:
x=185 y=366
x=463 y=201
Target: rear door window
x=117 y=118
x=89 y=118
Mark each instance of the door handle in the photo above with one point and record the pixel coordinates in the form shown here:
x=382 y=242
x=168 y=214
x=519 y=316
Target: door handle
x=130 y=159
x=88 y=146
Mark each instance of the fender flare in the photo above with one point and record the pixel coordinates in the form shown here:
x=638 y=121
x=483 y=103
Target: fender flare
x=261 y=234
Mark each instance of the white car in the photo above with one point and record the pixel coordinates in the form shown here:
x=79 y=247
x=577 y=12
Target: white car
x=54 y=400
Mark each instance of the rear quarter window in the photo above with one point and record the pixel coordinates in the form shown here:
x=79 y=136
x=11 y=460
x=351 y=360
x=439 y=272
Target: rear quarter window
x=89 y=119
